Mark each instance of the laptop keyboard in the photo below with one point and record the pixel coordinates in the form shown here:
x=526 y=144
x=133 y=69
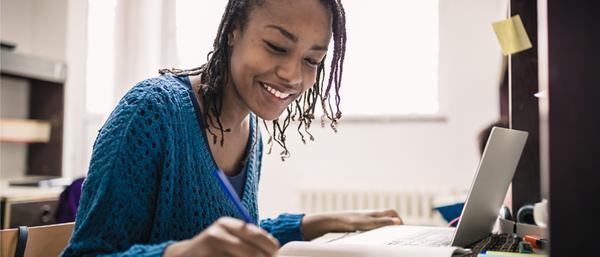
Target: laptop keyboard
x=425 y=238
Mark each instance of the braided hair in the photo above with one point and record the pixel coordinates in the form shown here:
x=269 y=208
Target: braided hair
x=215 y=74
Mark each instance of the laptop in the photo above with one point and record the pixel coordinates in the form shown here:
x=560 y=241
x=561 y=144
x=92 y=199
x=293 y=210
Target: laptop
x=488 y=190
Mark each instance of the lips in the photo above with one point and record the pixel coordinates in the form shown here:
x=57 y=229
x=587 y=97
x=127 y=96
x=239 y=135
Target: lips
x=276 y=91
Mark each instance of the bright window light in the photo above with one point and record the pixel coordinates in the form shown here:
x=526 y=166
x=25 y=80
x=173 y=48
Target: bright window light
x=100 y=56
x=197 y=23
x=391 y=62
x=391 y=65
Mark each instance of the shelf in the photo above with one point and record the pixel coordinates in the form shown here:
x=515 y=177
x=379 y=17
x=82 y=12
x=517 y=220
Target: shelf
x=39 y=116
x=24 y=131
x=30 y=67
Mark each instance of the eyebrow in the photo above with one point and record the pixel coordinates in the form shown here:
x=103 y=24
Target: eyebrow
x=293 y=37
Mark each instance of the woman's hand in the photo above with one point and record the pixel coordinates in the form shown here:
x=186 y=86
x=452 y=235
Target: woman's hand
x=316 y=225
x=226 y=237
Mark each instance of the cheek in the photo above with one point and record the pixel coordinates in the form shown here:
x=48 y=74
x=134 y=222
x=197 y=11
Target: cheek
x=309 y=80
x=246 y=67
x=235 y=67
x=241 y=75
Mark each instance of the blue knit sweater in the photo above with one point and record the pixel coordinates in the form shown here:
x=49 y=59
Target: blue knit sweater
x=149 y=181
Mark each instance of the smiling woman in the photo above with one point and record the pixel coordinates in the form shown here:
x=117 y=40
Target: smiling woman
x=282 y=51
x=150 y=189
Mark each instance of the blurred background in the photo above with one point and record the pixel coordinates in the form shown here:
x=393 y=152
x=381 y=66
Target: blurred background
x=421 y=80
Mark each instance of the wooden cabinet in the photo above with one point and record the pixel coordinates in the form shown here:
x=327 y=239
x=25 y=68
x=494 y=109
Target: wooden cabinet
x=28 y=206
x=32 y=93
x=29 y=213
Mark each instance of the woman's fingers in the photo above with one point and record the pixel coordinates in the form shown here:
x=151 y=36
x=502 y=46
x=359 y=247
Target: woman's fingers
x=231 y=245
x=373 y=223
x=390 y=213
x=251 y=235
x=386 y=221
x=227 y=237
x=375 y=219
x=386 y=213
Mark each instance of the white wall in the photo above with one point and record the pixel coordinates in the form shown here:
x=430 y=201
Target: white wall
x=384 y=156
x=38 y=27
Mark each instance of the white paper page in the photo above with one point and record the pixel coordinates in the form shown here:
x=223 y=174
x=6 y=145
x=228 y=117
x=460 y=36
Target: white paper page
x=334 y=236
x=387 y=234
x=312 y=249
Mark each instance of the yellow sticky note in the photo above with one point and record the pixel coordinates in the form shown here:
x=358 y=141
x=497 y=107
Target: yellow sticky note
x=512 y=35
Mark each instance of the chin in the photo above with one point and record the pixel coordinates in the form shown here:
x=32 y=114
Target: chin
x=268 y=116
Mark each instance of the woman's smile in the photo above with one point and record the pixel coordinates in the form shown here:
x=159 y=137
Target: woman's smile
x=280 y=96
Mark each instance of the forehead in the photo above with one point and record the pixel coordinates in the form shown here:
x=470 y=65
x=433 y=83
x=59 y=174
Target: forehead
x=307 y=19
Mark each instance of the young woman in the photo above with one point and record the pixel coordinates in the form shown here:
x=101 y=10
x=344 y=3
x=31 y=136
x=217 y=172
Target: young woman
x=150 y=189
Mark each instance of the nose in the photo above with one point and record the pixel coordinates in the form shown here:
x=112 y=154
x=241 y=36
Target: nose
x=289 y=71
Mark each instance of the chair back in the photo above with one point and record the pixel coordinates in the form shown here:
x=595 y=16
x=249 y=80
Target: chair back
x=48 y=240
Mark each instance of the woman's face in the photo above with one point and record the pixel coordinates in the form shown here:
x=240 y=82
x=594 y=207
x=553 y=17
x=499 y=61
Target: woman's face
x=276 y=56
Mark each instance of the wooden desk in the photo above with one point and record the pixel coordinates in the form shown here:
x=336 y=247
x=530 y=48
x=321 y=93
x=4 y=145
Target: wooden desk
x=27 y=206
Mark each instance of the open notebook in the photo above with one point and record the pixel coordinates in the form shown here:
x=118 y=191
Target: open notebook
x=319 y=249
x=358 y=244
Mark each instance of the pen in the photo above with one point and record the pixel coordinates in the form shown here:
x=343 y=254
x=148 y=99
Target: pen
x=232 y=195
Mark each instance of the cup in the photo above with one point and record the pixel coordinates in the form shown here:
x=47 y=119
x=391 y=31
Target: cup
x=540 y=213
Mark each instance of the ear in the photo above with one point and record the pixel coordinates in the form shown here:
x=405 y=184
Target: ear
x=233 y=37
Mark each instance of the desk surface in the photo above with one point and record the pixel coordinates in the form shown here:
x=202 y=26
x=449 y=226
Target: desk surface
x=24 y=193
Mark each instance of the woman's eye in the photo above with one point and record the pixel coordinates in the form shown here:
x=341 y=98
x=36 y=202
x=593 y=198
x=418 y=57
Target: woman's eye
x=276 y=48
x=312 y=62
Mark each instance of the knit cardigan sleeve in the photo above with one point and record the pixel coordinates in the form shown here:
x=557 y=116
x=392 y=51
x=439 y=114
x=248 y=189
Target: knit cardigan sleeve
x=119 y=195
x=286 y=227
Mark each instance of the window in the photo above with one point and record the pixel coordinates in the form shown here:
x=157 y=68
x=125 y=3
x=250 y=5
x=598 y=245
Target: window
x=197 y=23
x=100 y=56
x=391 y=65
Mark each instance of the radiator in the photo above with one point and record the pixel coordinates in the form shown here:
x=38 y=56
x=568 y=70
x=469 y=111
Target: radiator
x=415 y=206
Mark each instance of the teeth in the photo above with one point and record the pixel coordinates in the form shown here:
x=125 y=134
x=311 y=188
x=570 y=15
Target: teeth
x=275 y=92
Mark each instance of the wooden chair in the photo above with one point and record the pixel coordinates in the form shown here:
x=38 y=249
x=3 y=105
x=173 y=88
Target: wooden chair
x=48 y=240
